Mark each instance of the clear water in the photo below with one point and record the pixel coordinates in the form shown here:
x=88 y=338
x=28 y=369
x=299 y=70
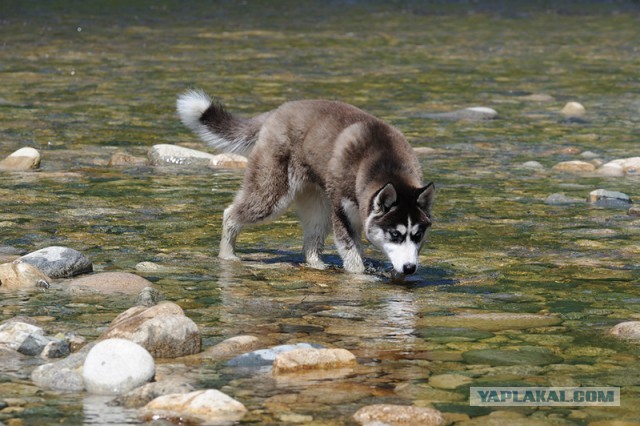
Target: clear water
x=82 y=80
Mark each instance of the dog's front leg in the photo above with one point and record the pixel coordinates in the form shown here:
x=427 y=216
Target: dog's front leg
x=347 y=240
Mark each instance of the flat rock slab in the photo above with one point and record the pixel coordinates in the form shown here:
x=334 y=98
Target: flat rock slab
x=59 y=262
x=311 y=358
x=491 y=321
x=522 y=356
x=110 y=282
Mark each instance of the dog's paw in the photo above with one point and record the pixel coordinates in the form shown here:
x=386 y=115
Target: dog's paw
x=317 y=264
x=228 y=256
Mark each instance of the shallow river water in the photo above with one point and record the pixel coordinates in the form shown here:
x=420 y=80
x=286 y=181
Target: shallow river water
x=82 y=80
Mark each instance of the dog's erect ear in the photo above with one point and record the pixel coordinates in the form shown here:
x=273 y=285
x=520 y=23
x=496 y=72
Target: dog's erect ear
x=425 y=197
x=384 y=199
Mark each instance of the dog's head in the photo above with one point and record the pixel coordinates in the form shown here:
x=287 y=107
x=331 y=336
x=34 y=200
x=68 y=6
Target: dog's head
x=398 y=223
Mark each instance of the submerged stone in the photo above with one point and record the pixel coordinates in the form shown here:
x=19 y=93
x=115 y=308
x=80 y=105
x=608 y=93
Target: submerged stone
x=522 y=356
x=173 y=155
x=398 y=415
x=559 y=199
x=110 y=282
x=311 y=358
x=492 y=321
x=264 y=357
x=205 y=406
x=612 y=199
x=452 y=334
x=574 y=166
x=449 y=381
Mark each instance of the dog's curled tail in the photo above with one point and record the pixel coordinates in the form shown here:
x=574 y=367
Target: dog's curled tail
x=216 y=126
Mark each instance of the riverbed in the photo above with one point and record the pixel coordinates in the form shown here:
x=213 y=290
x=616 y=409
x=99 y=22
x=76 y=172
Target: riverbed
x=82 y=81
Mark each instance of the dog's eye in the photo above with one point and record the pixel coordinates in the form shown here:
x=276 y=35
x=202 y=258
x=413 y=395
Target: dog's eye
x=418 y=234
x=395 y=235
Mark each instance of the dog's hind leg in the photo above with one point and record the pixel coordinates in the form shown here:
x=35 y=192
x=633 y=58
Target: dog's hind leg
x=266 y=193
x=314 y=210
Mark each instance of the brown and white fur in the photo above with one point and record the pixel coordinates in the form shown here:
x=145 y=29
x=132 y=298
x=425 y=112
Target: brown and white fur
x=343 y=168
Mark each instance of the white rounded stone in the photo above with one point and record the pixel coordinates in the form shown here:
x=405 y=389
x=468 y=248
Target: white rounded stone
x=115 y=366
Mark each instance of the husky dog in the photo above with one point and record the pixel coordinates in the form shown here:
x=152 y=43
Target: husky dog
x=343 y=168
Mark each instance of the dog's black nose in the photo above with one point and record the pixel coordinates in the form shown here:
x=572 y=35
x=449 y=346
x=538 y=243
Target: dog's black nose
x=409 y=268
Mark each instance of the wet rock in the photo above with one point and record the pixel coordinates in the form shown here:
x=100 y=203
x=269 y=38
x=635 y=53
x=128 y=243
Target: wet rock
x=611 y=169
x=398 y=415
x=55 y=348
x=142 y=395
x=495 y=321
x=115 y=366
x=162 y=329
x=265 y=357
x=605 y=198
x=109 y=282
x=628 y=330
x=573 y=110
x=559 y=199
x=574 y=166
x=23 y=159
x=621 y=167
x=311 y=358
x=123 y=159
x=534 y=165
x=231 y=347
x=19 y=275
x=173 y=155
x=523 y=356
x=33 y=344
x=59 y=262
x=471 y=114
x=148 y=297
x=149 y=267
x=589 y=155
x=75 y=341
x=206 y=406
x=14 y=334
x=64 y=375
x=449 y=381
